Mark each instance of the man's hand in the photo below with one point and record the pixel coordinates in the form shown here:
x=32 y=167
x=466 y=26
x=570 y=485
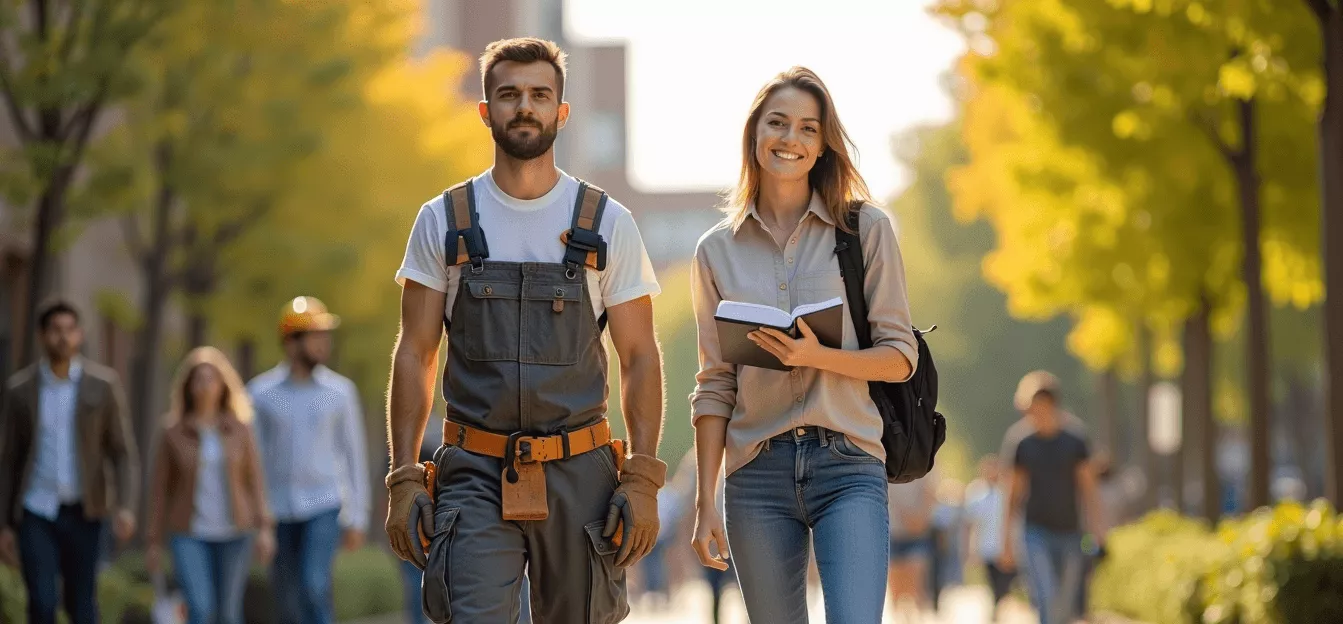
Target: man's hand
x=804 y=351
x=123 y=526
x=265 y=545
x=353 y=539
x=410 y=513
x=1007 y=561
x=636 y=503
x=9 y=550
x=709 y=531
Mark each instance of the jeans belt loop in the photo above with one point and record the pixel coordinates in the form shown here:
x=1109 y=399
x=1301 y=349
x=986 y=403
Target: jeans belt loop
x=826 y=436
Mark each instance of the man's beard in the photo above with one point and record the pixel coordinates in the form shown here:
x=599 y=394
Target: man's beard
x=525 y=149
x=308 y=359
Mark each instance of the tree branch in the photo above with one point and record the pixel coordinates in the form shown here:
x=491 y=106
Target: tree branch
x=87 y=114
x=1209 y=130
x=16 y=115
x=230 y=231
x=71 y=25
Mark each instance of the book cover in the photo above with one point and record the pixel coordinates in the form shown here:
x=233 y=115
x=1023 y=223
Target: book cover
x=735 y=320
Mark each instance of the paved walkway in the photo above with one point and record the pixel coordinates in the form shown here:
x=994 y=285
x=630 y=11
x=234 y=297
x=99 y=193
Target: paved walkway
x=963 y=605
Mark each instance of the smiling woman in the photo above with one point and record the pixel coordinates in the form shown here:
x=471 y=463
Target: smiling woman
x=814 y=420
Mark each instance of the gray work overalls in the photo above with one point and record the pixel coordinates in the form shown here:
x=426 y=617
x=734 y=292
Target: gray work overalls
x=525 y=354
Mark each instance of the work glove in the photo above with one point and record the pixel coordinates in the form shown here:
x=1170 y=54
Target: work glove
x=410 y=513
x=635 y=506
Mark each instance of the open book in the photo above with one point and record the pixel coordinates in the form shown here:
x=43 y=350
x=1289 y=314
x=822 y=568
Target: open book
x=735 y=320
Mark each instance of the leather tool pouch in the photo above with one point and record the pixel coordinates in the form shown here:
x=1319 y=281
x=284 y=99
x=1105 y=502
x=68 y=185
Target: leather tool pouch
x=431 y=485
x=524 y=491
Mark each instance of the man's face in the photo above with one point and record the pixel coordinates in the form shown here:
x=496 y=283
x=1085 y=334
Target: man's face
x=311 y=348
x=62 y=338
x=524 y=112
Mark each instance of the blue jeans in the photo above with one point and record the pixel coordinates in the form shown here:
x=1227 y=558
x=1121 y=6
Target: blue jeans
x=63 y=553
x=1053 y=572
x=212 y=576
x=301 y=575
x=810 y=483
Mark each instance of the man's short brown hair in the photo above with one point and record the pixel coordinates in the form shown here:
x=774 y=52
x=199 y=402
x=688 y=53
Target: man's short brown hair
x=522 y=50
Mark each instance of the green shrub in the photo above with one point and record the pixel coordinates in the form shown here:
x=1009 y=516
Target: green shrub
x=121 y=588
x=1280 y=565
x=1153 y=568
x=366 y=583
x=1284 y=568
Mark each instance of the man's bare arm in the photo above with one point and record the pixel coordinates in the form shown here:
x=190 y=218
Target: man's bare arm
x=414 y=365
x=1091 y=499
x=641 y=382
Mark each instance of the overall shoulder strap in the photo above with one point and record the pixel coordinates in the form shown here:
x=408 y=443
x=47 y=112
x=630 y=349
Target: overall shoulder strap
x=583 y=245
x=849 y=251
x=465 y=240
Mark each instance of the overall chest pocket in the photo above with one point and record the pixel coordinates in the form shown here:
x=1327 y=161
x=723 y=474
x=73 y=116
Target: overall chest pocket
x=555 y=323
x=486 y=320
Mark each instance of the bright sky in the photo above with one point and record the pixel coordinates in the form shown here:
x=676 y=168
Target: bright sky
x=882 y=59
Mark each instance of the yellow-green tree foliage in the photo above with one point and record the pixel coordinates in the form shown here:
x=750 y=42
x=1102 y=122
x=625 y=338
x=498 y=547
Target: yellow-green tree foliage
x=339 y=229
x=1096 y=131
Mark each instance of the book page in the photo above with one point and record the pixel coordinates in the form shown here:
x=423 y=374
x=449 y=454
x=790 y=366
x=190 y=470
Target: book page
x=754 y=313
x=803 y=310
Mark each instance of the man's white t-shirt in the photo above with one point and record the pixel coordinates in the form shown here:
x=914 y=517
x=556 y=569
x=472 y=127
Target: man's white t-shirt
x=520 y=230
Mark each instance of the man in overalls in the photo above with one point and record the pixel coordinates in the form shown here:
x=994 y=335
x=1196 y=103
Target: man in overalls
x=525 y=266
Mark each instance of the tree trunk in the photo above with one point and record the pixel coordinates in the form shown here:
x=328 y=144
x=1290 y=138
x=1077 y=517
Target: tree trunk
x=50 y=214
x=158 y=287
x=1143 y=454
x=1107 y=394
x=1200 y=430
x=1331 y=177
x=201 y=282
x=1257 y=338
x=246 y=359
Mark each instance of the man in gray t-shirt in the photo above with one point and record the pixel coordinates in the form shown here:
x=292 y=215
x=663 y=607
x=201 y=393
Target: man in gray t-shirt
x=1051 y=474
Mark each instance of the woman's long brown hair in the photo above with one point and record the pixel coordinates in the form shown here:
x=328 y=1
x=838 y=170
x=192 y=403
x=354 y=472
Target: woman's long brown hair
x=834 y=175
x=233 y=400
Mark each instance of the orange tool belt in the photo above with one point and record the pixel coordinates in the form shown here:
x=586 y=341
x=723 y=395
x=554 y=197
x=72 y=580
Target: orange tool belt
x=527 y=448
x=517 y=449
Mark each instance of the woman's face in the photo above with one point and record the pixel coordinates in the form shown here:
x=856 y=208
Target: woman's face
x=206 y=386
x=788 y=136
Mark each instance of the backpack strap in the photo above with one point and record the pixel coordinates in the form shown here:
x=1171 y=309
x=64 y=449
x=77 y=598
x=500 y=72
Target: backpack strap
x=465 y=242
x=849 y=251
x=583 y=246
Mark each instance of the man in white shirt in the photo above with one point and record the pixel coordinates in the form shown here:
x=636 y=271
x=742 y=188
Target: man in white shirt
x=310 y=431
x=67 y=464
x=525 y=267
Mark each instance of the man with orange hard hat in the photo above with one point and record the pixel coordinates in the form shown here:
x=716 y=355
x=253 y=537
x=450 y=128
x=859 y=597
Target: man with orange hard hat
x=310 y=430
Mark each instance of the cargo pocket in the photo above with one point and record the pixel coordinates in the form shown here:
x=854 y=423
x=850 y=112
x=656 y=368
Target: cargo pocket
x=553 y=315
x=435 y=598
x=607 y=601
x=489 y=317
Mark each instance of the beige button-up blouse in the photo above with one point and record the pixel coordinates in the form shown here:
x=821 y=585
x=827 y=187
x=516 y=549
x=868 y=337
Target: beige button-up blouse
x=745 y=264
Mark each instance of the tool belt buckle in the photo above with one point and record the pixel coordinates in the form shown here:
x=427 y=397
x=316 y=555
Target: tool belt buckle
x=523 y=482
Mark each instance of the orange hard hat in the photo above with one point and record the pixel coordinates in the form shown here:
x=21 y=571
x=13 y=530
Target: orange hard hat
x=305 y=314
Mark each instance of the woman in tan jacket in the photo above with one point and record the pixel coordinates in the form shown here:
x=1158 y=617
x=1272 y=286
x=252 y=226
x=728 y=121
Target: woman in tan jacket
x=207 y=497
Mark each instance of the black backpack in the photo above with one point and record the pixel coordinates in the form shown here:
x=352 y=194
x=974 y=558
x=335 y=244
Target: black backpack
x=912 y=429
